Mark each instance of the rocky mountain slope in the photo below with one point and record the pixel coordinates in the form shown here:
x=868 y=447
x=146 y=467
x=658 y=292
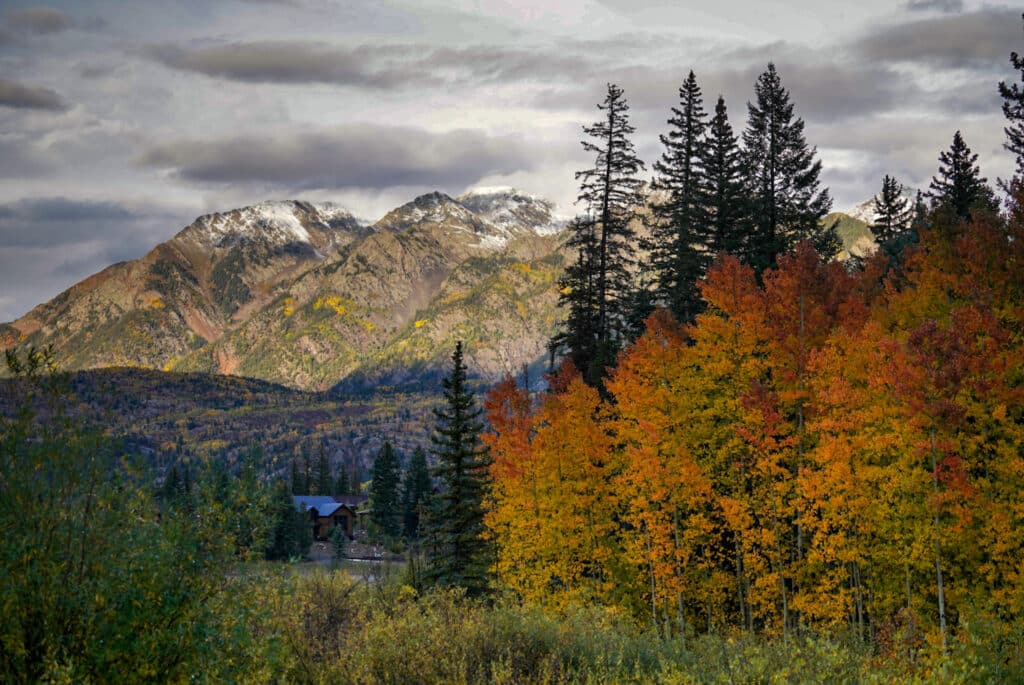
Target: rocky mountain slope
x=304 y=295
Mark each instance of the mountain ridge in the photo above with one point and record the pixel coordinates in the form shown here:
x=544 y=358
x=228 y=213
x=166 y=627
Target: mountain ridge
x=303 y=294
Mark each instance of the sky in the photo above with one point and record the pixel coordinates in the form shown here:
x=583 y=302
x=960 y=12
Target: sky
x=120 y=122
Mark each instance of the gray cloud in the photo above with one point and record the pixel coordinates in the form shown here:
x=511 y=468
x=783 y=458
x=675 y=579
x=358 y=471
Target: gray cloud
x=38 y=20
x=48 y=244
x=947 y=6
x=21 y=160
x=292 y=62
x=45 y=222
x=822 y=90
x=371 y=66
x=978 y=39
x=356 y=156
x=20 y=96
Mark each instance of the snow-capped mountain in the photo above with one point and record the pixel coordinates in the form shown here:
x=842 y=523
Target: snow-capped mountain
x=277 y=223
x=511 y=211
x=306 y=295
x=865 y=211
x=489 y=217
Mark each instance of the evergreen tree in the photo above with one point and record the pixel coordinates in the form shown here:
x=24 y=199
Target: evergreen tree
x=385 y=507
x=610 y=190
x=323 y=473
x=342 y=485
x=307 y=478
x=578 y=294
x=296 y=479
x=416 y=490
x=460 y=555
x=291 y=533
x=787 y=201
x=724 y=196
x=679 y=233
x=959 y=187
x=893 y=213
x=171 y=487
x=1013 y=110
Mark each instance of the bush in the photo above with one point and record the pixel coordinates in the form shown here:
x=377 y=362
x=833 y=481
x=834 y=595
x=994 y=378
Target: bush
x=97 y=584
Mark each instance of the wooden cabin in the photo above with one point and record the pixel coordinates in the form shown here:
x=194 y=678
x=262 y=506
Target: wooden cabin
x=325 y=512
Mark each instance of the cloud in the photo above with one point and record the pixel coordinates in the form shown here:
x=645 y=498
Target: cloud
x=38 y=20
x=978 y=39
x=22 y=160
x=293 y=62
x=45 y=222
x=20 y=96
x=947 y=6
x=357 y=156
x=371 y=66
x=49 y=243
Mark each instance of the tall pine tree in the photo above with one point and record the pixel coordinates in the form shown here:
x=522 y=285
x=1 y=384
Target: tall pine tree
x=342 y=485
x=578 y=294
x=893 y=212
x=1013 y=110
x=679 y=233
x=724 y=196
x=460 y=556
x=323 y=473
x=959 y=187
x=385 y=506
x=610 y=190
x=416 y=489
x=787 y=200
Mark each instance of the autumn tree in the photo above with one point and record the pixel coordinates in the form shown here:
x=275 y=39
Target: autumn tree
x=671 y=530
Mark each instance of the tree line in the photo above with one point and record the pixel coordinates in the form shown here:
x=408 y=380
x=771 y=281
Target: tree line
x=752 y=196
x=788 y=442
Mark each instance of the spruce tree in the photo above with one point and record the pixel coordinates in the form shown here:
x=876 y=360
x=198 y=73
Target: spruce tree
x=323 y=473
x=416 y=489
x=787 y=201
x=460 y=556
x=893 y=213
x=679 y=232
x=577 y=289
x=342 y=485
x=1013 y=110
x=385 y=506
x=291 y=533
x=610 y=191
x=959 y=187
x=724 y=196
x=298 y=487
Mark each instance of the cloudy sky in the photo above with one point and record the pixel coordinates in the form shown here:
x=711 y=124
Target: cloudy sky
x=122 y=121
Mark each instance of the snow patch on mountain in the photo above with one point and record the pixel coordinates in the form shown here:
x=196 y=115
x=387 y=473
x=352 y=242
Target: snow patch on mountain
x=865 y=211
x=279 y=222
x=511 y=211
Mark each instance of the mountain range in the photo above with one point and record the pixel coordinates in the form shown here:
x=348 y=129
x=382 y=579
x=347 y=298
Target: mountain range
x=307 y=296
